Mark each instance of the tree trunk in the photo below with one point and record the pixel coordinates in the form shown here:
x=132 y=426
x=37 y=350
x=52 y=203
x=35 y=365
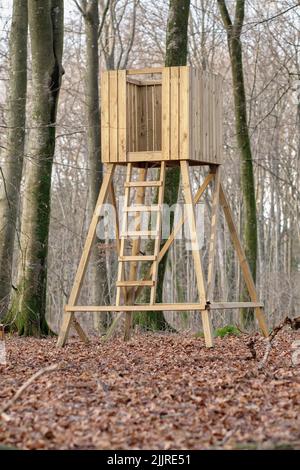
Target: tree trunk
x=12 y=159
x=46 y=33
x=176 y=55
x=240 y=106
x=97 y=261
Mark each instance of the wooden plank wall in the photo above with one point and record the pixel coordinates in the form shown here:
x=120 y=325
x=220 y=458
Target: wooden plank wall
x=143 y=118
x=175 y=113
x=206 y=126
x=113 y=116
x=181 y=118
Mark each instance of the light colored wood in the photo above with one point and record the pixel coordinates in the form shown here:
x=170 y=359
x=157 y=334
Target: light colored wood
x=122 y=126
x=179 y=116
x=134 y=283
x=113 y=116
x=213 y=237
x=178 y=307
x=79 y=330
x=142 y=119
x=194 y=128
x=233 y=305
x=157 y=117
x=149 y=118
x=67 y=319
x=131 y=258
x=105 y=117
x=135 y=308
x=200 y=114
x=184 y=112
x=243 y=261
x=137 y=184
x=165 y=142
x=144 y=71
x=186 y=184
x=174 y=113
x=144 y=156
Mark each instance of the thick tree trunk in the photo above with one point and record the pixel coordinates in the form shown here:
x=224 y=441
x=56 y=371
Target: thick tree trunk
x=12 y=159
x=176 y=55
x=240 y=106
x=97 y=261
x=46 y=33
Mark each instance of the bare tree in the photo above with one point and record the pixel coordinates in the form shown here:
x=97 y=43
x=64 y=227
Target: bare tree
x=234 y=30
x=46 y=34
x=12 y=158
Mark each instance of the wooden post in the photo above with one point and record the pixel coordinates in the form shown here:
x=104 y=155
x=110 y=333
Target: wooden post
x=68 y=316
x=207 y=329
x=213 y=237
x=243 y=261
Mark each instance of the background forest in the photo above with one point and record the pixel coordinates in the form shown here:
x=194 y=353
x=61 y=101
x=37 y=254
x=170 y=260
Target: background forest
x=94 y=36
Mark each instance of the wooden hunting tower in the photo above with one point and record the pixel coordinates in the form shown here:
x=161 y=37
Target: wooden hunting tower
x=177 y=115
x=160 y=117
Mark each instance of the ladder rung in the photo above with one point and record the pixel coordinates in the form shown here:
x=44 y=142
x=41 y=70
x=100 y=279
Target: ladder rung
x=134 y=283
x=138 y=233
x=138 y=258
x=141 y=184
x=142 y=208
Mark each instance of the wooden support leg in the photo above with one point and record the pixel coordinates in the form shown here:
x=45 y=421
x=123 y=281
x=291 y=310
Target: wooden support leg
x=213 y=237
x=243 y=261
x=67 y=320
x=207 y=329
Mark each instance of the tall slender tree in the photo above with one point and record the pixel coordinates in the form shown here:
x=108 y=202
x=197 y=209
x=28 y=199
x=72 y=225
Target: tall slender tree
x=12 y=158
x=233 y=31
x=90 y=12
x=46 y=34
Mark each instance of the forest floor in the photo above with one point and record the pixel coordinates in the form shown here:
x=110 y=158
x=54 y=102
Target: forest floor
x=158 y=391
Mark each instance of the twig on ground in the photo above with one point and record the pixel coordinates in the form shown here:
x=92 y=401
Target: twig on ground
x=293 y=323
x=26 y=384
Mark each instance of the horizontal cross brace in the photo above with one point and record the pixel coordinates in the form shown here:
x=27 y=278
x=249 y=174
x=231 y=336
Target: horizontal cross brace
x=162 y=307
x=142 y=184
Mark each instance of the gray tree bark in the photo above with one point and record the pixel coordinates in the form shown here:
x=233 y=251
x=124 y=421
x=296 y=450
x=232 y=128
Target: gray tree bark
x=12 y=158
x=233 y=30
x=90 y=11
x=46 y=34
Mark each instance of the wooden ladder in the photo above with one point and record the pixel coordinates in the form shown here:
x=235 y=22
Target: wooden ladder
x=127 y=286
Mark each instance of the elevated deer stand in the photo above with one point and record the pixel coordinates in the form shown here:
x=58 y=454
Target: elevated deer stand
x=159 y=118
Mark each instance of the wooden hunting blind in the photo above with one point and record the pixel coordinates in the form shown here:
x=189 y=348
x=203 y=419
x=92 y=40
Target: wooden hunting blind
x=157 y=118
x=174 y=114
